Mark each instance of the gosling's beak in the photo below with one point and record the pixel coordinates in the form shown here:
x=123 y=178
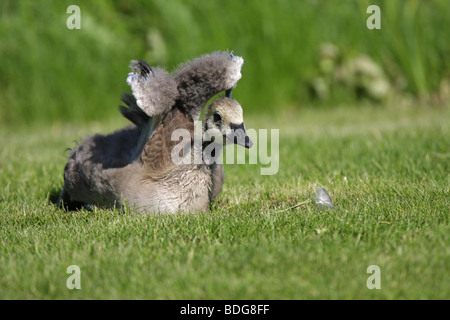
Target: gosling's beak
x=239 y=136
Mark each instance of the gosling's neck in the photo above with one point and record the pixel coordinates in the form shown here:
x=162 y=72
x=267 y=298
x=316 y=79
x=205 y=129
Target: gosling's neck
x=211 y=149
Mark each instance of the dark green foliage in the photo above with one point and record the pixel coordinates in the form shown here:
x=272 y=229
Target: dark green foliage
x=50 y=73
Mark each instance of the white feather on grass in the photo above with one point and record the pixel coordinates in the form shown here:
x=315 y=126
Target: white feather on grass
x=323 y=199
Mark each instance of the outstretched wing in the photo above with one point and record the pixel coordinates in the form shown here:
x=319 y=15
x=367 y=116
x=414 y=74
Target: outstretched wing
x=155 y=89
x=156 y=92
x=189 y=87
x=201 y=79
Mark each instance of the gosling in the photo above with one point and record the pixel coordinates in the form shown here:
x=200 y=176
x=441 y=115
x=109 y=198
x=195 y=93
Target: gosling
x=147 y=166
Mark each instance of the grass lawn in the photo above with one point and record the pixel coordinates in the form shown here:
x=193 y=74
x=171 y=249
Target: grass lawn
x=386 y=169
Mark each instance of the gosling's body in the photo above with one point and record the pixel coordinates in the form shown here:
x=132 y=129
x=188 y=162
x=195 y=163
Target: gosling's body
x=102 y=170
x=134 y=167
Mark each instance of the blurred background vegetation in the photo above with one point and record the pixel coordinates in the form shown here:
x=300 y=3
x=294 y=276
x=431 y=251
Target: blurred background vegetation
x=313 y=53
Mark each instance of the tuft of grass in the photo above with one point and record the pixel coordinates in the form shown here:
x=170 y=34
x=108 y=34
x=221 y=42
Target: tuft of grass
x=387 y=171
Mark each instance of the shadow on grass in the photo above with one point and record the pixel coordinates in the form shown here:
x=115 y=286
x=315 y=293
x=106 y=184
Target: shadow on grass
x=53 y=197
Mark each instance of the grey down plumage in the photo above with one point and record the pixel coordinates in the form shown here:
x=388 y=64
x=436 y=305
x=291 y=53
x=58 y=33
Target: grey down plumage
x=134 y=166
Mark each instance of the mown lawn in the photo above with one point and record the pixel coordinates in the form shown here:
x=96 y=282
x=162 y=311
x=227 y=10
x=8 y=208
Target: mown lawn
x=386 y=169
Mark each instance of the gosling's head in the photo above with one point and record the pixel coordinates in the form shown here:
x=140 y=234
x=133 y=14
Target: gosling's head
x=224 y=118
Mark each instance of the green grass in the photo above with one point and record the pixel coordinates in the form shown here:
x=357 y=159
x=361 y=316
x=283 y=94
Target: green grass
x=386 y=169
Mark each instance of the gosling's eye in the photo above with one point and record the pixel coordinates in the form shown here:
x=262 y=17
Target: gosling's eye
x=217 y=118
